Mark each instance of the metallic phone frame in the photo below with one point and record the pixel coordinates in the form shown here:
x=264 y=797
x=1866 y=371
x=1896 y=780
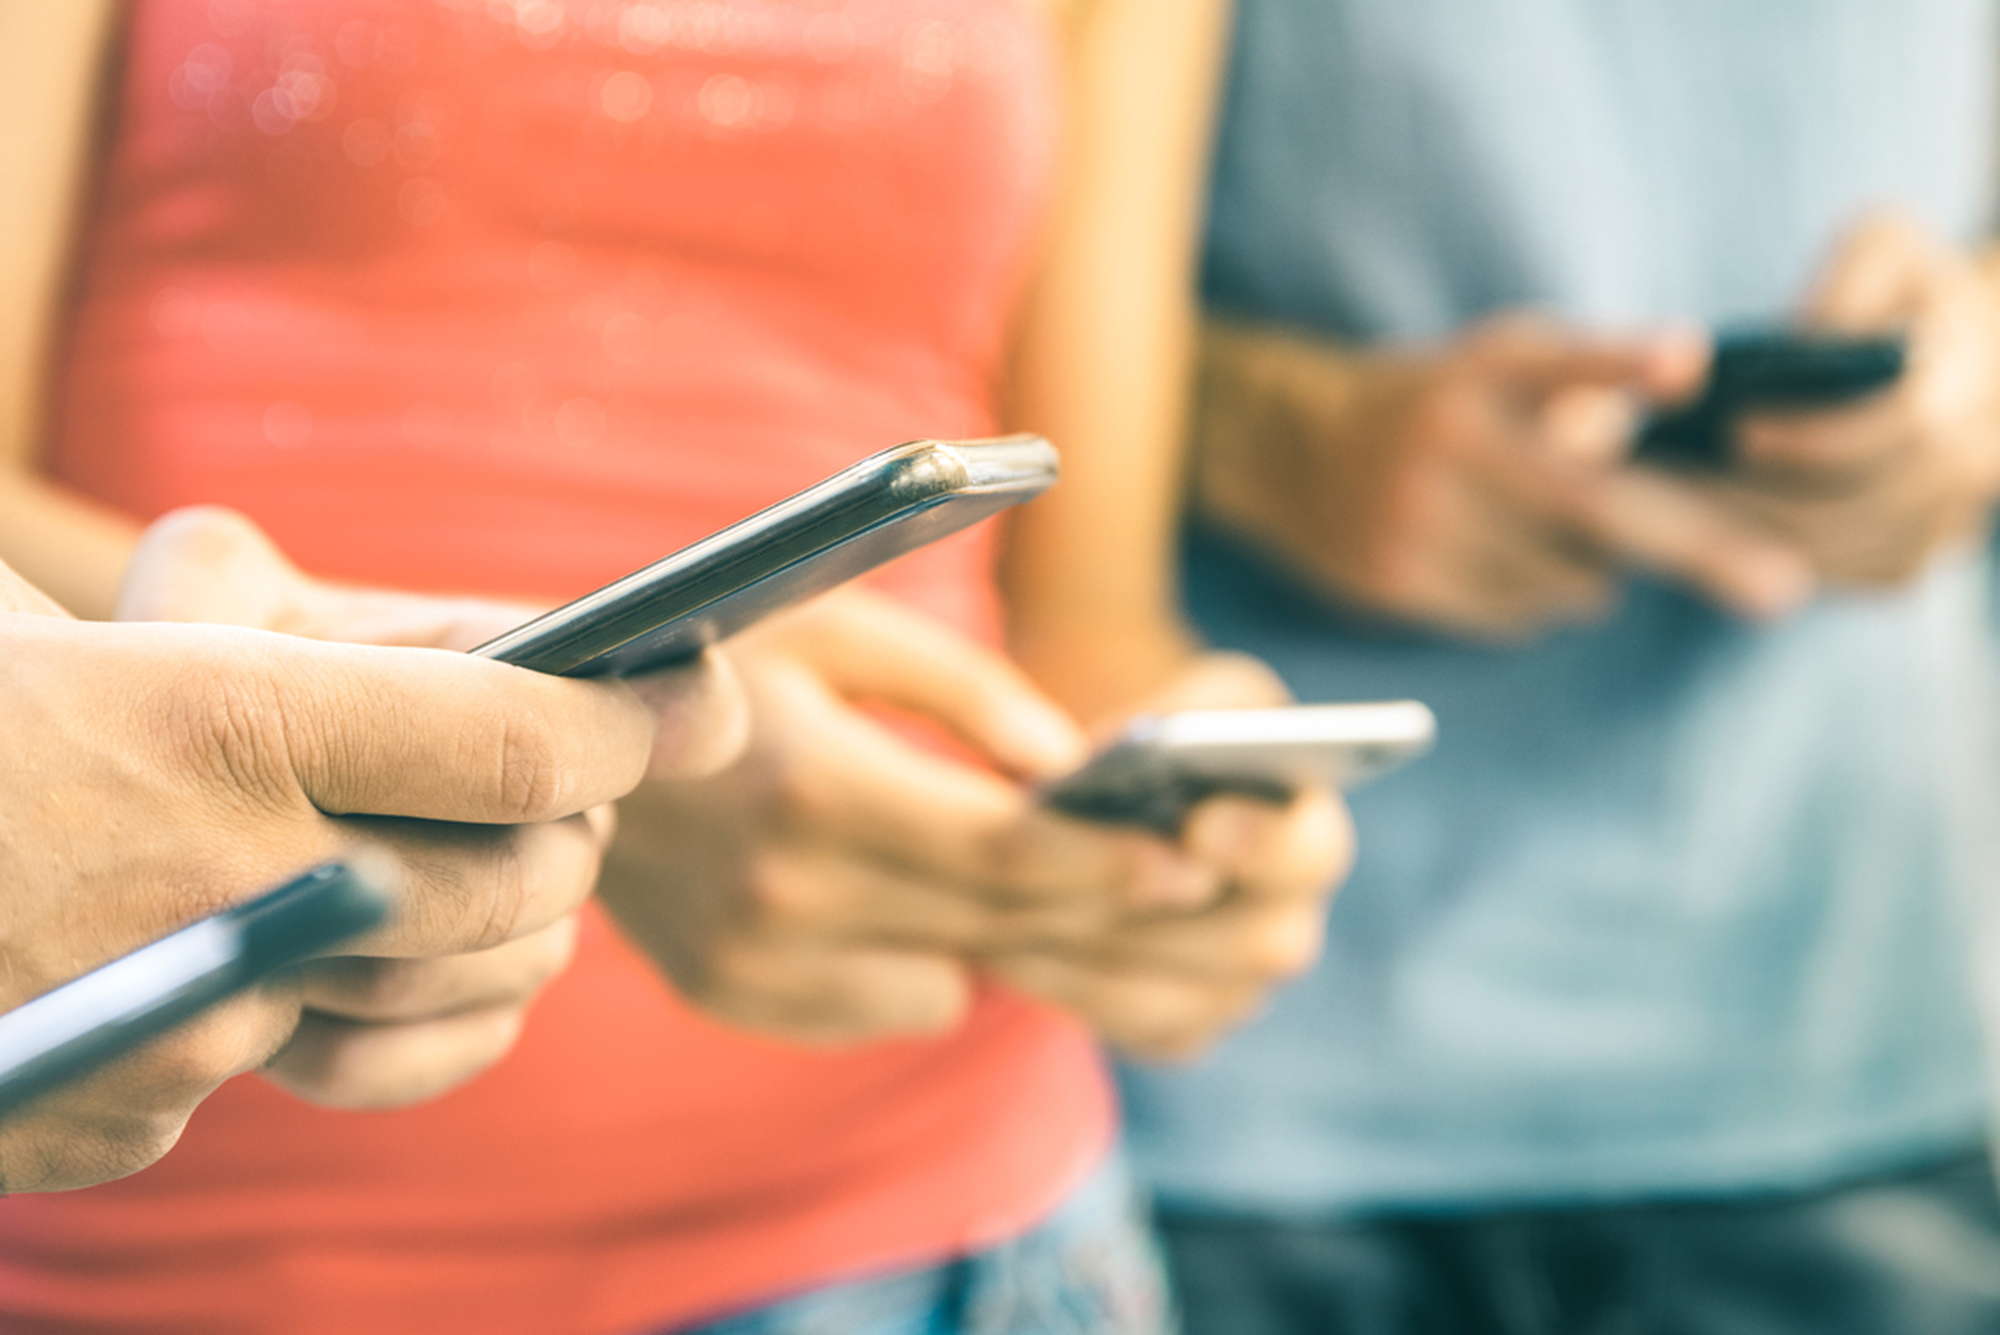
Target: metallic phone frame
x=880 y=508
x=1162 y=765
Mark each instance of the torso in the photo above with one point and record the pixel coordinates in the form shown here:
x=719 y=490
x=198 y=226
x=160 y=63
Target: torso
x=512 y=299
x=1673 y=908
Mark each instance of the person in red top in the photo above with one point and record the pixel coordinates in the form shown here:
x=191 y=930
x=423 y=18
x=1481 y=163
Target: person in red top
x=510 y=298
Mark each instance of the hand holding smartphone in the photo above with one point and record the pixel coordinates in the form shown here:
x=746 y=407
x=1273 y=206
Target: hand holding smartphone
x=889 y=504
x=65 y=1034
x=1161 y=766
x=1771 y=372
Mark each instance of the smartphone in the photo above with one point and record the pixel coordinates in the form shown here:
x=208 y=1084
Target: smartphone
x=71 y=1031
x=1771 y=371
x=887 y=505
x=1161 y=765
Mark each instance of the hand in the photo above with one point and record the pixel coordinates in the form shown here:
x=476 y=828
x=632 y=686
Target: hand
x=1474 y=489
x=380 y=1032
x=158 y=773
x=1166 y=983
x=831 y=886
x=208 y=564
x=1872 y=492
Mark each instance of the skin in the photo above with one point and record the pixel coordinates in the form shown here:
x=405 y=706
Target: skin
x=1475 y=488
x=1482 y=488
x=1874 y=494
x=157 y=773
x=844 y=883
x=855 y=886
x=870 y=916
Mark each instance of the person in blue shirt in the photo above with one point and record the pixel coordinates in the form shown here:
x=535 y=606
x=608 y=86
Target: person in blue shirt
x=1649 y=1006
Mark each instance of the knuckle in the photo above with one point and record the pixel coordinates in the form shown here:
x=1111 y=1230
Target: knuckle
x=733 y=967
x=1391 y=568
x=918 y=996
x=803 y=794
x=227 y=729
x=1008 y=857
x=188 y=1063
x=535 y=776
x=377 y=986
x=505 y=889
x=776 y=893
x=88 y=1150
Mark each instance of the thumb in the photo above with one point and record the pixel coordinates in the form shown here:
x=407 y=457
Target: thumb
x=17 y=595
x=1876 y=277
x=1221 y=681
x=867 y=647
x=703 y=717
x=205 y=563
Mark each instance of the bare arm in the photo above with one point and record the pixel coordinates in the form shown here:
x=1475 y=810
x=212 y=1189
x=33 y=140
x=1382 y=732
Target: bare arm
x=1103 y=353
x=52 y=61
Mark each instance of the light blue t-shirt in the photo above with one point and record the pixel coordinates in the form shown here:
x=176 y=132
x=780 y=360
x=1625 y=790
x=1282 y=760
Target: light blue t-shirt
x=1676 y=905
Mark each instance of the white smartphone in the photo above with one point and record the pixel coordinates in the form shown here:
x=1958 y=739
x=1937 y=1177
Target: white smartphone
x=879 y=509
x=1161 y=765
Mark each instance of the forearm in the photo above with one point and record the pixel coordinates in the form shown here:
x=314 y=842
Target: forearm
x=1265 y=400
x=73 y=549
x=1104 y=353
x=52 y=64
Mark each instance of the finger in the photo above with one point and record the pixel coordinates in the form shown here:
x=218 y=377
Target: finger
x=1875 y=278
x=870 y=647
x=1240 y=944
x=1540 y=357
x=1588 y=425
x=414 y=732
x=1520 y=564
x=1496 y=559
x=1530 y=587
x=1831 y=448
x=1880 y=533
x=124 y=1116
x=703 y=717
x=339 y=1063
x=470 y=888
x=839 y=899
x=408 y=620
x=1217 y=680
x=940 y=820
x=1275 y=854
x=814 y=994
x=207 y=563
x=1151 y=1015
x=1665 y=525
x=381 y=990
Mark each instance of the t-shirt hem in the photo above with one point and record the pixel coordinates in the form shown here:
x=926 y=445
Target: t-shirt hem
x=1774 y=1163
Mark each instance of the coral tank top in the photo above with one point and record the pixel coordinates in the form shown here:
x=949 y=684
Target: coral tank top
x=514 y=296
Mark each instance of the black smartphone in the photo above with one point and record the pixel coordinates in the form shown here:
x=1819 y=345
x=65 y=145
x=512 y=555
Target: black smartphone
x=1162 y=765
x=1771 y=371
x=71 y=1031
x=887 y=505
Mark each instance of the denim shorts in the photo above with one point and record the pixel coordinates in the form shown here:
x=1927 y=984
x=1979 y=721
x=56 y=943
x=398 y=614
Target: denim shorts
x=1091 y=1268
